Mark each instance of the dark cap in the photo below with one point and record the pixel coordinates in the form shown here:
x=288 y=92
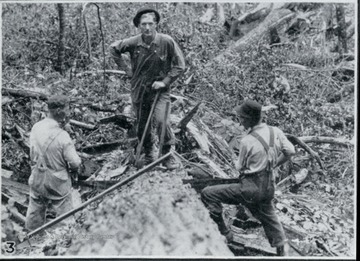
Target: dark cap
x=57 y=101
x=249 y=109
x=142 y=11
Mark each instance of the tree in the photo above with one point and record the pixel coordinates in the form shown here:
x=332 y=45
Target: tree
x=340 y=16
x=61 y=48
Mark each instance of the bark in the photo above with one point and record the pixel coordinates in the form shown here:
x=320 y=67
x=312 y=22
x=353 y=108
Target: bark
x=61 y=48
x=340 y=16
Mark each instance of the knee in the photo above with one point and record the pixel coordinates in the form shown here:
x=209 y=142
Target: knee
x=205 y=194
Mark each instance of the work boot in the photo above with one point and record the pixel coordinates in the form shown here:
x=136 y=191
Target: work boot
x=283 y=250
x=170 y=163
x=224 y=230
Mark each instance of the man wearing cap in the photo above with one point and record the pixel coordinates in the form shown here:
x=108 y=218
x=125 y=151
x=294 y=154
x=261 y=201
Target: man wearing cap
x=156 y=62
x=263 y=149
x=53 y=156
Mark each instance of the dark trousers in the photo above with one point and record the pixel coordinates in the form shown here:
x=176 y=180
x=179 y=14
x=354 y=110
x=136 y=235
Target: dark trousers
x=142 y=110
x=233 y=194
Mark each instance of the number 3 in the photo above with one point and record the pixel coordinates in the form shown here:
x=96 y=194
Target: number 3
x=10 y=247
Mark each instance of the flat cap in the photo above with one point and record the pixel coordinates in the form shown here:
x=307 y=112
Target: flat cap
x=249 y=109
x=57 y=101
x=145 y=10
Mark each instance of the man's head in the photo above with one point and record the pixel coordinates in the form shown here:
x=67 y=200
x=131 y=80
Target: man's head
x=249 y=113
x=146 y=19
x=58 y=106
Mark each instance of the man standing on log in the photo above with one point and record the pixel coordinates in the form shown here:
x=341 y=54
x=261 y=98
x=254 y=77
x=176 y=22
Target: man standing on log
x=53 y=156
x=263 y=149
x=156 y=62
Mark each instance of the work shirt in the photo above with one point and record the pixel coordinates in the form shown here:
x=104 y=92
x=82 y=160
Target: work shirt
x=162 y=60
x=59 y=155
x=60 y=152
x=252 y=155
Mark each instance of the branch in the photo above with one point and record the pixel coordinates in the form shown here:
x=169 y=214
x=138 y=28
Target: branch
x=297 y=141
x=88 y=43
x=103 y=46
x=331 y=140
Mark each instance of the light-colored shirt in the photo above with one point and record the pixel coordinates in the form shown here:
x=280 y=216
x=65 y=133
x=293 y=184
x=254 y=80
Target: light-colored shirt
x=252 y=155
x=61 y=151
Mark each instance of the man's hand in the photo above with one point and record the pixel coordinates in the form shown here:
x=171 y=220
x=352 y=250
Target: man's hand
x=157 y=85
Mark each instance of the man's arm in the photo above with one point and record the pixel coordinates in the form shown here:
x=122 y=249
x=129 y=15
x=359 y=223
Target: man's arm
x=70 y=155
x=178 y=64
x=117 y=50
x=287 y=149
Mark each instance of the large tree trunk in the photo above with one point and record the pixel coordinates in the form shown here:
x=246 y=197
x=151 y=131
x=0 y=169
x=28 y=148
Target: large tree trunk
x=61 y=48
x=261 y=34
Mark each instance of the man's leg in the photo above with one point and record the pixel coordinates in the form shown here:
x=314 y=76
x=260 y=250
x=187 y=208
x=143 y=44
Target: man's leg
x=266 y=214
x=142 y=111
x=62 y=206
x=214 y=196
x=159 y=121
x=35 y=215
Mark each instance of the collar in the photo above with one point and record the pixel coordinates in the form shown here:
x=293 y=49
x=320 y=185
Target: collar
x=53 y=122
x=259 y=126
x=155 y=41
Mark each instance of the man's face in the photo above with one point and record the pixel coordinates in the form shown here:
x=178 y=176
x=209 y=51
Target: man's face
x=147 y=24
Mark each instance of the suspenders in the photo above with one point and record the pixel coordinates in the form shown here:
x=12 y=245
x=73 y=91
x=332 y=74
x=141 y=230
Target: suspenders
x=262 y=141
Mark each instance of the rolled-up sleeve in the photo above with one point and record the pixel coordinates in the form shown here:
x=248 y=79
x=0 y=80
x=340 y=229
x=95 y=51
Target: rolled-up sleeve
x=287 y=148
x=116 y=51
x=69 y=153
x=177 y=64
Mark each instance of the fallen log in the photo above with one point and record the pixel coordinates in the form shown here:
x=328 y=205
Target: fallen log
x=82 y=125
x=212 y=165
x=296 y=141
x=24 y=93
x=17 y=191
x=124 y=121
x=5 y=198
x=276 y=19
x=331 y=140
x=100 y=72
x=108 y=146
